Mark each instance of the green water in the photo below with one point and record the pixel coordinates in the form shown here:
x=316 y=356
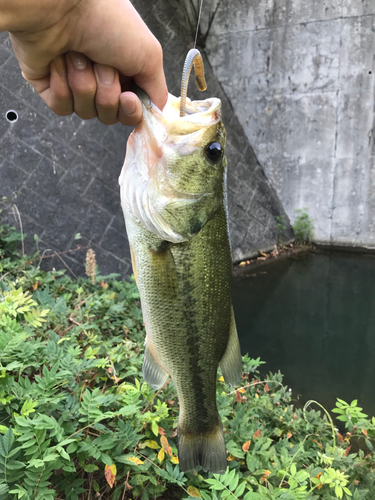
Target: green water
x=313 y=318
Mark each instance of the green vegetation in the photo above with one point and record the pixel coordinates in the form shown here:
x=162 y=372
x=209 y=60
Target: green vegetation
x=281 y=225
x=78 y=422
x=303 y=227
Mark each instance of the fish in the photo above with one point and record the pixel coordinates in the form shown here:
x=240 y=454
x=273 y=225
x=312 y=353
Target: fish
x=173 y=196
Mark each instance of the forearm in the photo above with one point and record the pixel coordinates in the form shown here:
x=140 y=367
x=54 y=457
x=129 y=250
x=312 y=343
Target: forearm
x=25 y=15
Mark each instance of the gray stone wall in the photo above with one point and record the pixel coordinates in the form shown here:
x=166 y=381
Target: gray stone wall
x=300 y=76
x=62 y=172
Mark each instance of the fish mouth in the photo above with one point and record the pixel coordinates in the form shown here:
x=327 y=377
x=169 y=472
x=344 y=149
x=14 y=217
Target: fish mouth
x=199 y=115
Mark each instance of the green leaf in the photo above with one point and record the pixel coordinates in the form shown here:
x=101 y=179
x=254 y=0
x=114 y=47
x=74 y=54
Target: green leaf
x=22 y=422
x=301 y=476
x=240 y=489
x=90 y=468
x=234 y=483
x=7 y=441
x=51 y=457
x=215 y=484
x=15 y=465
x=235 y=450
x=338 y=491
x=35 y=463
x=3 y=490
x=106 y=459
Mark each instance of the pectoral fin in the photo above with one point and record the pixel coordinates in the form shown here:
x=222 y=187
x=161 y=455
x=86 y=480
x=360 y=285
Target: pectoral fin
x=231 y=362
x=153 y=373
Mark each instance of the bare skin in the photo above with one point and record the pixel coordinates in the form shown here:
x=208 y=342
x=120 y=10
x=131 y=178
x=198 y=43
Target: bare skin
x=83 y=55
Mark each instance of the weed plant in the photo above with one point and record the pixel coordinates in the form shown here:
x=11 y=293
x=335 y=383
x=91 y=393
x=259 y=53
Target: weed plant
x=303 y=227
x=77 y=421
x=281 y=225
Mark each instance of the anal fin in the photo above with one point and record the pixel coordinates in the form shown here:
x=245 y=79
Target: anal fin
x=153 y=373
x=231 y=362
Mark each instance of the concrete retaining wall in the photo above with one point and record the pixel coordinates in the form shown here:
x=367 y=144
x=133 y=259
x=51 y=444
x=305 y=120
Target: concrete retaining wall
x=300 y=76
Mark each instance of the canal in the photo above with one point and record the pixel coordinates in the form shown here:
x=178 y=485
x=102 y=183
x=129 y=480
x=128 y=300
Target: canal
x=313 y=318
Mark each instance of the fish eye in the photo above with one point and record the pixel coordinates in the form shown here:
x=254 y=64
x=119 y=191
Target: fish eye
x=214 y=151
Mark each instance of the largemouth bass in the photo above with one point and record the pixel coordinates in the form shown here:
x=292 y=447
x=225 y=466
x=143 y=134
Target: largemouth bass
x=173 y=199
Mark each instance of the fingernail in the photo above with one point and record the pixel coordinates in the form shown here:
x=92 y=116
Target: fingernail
x=78 y=60
x=60 y=67
x=129 y=106
x=106 y=74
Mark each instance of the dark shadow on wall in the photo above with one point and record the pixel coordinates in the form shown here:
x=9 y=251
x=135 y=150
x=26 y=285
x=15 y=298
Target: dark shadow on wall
x=62 y=172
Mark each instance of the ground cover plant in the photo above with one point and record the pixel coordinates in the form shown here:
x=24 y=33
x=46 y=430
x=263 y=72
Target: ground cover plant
x=303 y=227
x=77 y=421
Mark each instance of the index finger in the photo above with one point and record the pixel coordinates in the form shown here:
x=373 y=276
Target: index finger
x=151 y=78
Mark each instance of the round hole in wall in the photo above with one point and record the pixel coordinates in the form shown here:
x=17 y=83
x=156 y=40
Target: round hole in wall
x=11 y=116
x=369 y=72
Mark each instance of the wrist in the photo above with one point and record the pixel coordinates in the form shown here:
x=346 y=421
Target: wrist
x=33 y=15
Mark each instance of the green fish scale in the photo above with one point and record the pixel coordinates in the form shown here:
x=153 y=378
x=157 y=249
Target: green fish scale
x=186 y=301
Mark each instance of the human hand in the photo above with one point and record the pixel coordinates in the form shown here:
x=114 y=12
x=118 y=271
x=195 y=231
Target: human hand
x=83 y=56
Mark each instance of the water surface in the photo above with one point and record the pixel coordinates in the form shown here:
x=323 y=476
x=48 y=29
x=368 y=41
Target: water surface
x=313 y=318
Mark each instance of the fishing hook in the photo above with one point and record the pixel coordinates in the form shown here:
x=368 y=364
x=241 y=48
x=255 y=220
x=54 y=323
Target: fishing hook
x=193 y=58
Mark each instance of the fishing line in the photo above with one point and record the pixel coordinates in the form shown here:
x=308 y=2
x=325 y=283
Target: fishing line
x=199 y=18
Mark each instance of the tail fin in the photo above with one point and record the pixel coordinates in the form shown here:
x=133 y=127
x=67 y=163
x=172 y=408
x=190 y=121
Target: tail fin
x=207 y=450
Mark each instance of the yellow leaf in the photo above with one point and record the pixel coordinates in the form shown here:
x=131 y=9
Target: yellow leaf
x=167 y=449
x=135 y=460
x=246 y=446
x=256 y=395
x=193 y=492
x=161 y=455
x=150 y=444
x=318 y=477
x=221 y=379
x=318 y=443
x=289 y=435
x=230 y=458
x=267 y=473
x=175 y=460
x=241 y=390
x=243 y=263
x=110 y=474
x=364 y=431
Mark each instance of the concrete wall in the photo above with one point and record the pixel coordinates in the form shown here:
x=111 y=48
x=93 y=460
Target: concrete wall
x=300 y=76
x=62 y=172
